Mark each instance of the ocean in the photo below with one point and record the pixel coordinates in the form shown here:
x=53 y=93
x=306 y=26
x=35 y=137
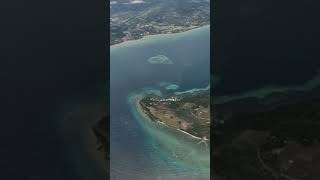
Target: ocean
x=140 y=149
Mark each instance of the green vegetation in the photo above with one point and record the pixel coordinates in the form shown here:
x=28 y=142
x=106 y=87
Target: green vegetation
x=202 y=99
x=189 y=113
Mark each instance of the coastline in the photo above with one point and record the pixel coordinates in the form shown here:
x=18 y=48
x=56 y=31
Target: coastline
x=196 y=137
x=152 y=36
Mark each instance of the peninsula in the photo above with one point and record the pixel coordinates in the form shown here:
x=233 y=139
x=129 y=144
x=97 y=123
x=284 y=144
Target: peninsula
x=188 y=113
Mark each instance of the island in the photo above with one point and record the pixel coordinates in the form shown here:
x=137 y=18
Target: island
x=188 y=113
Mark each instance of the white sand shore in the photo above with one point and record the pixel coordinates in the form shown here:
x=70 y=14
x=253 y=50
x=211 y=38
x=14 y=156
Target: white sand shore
x=196 y=137
x=155 y=37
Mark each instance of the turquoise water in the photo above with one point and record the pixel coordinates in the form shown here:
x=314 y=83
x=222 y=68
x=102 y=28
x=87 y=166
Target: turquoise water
x=176 y=151
x=169 y=86
x=141 y=149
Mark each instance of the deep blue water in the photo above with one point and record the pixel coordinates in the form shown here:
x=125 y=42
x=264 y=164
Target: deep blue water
x=136 y=151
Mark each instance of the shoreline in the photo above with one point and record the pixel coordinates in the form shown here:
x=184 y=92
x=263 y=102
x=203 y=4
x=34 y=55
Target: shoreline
x=154 y=35
x=195 y=137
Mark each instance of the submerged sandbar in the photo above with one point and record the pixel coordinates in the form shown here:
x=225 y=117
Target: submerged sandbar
x=160 y=59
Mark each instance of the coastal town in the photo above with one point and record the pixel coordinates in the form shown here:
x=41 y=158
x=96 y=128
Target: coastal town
x=134 y=19
x=156 y=100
